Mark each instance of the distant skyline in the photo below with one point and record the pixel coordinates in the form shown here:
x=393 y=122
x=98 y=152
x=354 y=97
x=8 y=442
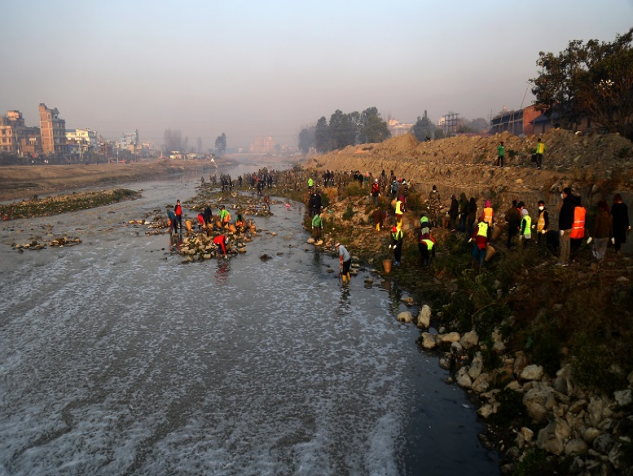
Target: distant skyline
x=250 y=68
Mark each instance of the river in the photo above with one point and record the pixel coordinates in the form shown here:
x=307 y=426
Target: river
x=115 y=358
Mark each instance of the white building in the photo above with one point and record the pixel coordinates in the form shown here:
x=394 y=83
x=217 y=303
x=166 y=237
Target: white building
x=83 y=137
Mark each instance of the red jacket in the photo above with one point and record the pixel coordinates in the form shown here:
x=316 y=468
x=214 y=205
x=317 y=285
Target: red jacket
x=178 y=210
x=219 y=241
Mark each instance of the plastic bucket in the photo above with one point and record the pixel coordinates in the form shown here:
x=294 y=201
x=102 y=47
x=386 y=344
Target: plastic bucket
x=490 y=252
x=386 y=264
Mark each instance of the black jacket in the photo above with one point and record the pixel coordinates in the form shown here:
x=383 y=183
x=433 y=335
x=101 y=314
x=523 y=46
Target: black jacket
x=566 y=217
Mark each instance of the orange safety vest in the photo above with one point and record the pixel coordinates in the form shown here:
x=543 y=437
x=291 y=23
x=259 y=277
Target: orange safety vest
x=578 y=228
x=541 y=221
x=488 y=216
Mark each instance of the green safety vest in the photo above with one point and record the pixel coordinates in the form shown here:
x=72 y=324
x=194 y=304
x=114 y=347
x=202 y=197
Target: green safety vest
x=398 y=207
x=310 y=182
x=424 y=220
x=397 y=235
x=528 y=226
x=429 y=244
x=482 y=229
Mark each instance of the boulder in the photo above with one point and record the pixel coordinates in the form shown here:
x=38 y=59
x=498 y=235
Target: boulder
x=497 y=340
x=594 y=411
x=623 y=397
x=532 y=372
x=405 y=317
x=563 y=382
x=446 y=360
x=463 y=380
x=520 y=362
x=528 y=435
x=469 y=340
x=476 y=366
x=575 y=446
x=450 y=337
x=590 y=434
x=603 y=443
x=577 y=406
x=429 y=341
x=424 y=317
x=486 y=410
x=549 y=439
x=481 y=383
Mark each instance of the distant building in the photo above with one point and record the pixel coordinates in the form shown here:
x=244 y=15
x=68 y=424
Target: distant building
x=519 y=122
x=17 y=138
x=86 y=137
x=263 y=145
x=398 y=128
x=52 y=130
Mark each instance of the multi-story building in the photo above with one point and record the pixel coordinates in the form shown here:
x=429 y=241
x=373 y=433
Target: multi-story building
x=519 y=122
x=263 y=145
x=86 y=137
x=53 y=131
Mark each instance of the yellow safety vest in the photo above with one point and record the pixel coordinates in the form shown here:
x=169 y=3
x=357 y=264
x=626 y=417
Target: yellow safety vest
x=398 y=207
x=429 y=244
x=541 y=221
x=397 y=235
x=482 y=229
x=528 y=226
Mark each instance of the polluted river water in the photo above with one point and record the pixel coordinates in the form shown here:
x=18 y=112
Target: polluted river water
x=115 y=358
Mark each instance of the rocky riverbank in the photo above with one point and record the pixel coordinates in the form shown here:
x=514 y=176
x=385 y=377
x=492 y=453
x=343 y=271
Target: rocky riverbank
x=544 y=350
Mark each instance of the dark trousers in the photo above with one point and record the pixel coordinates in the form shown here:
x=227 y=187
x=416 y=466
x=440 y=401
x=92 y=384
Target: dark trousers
x=500 y=161
x=512 y=232
x=539 y=160
x=397 y=253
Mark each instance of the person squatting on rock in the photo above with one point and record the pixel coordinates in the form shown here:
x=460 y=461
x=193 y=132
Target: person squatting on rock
x=178 y=212
x=435 y=205
x=317 y=226
x=621 y=225
x=602 y=232
x=480 y=235
x=379 y=218
x=220 y=242
x=397 y=238
x=346 y=261
x=565 y=223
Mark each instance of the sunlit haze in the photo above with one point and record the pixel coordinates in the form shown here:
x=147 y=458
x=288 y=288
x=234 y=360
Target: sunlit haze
x=251 y=68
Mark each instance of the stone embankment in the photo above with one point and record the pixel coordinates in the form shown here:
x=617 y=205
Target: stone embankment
x=592 y=429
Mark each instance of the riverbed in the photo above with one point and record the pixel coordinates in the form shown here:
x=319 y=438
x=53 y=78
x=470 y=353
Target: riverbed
x=116 y=358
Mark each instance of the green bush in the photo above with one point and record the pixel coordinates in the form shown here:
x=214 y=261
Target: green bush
x=349 y=213
x=592 y=364
x=355 y=190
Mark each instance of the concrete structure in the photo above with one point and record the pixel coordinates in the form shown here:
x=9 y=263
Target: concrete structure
x=53 y=131
x=519 y=122
x=85 y=137
x=16 y=138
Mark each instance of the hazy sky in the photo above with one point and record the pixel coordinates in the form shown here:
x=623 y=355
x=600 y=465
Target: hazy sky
x=250 y=68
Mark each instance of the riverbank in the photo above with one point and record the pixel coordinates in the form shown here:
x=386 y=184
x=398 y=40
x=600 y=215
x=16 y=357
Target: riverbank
x=523 y=336
x=25 y=181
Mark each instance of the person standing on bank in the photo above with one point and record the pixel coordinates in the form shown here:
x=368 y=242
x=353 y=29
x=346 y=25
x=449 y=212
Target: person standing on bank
x=501 y=150
x=540 y=150
x=397 y=237
x=542 y=225
x=621 y=224
x=565 y=224
x=178 y=212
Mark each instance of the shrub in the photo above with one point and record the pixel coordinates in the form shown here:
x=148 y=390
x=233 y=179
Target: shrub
x=349 y=213
x=355 y=190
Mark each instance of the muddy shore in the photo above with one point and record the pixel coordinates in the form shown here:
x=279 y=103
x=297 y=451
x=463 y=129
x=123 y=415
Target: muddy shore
x=25 y=181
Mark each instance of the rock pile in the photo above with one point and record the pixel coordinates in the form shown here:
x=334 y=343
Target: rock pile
x=592 y=429
x=38 y=243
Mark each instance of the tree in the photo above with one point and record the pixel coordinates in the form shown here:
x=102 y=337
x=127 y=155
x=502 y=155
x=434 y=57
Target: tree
x=306 y=139
x=342 y=130
x=220 y=143
x=172 y=141
x=479 y=125
x=372 y=128
x=423 y=128
x=592 y=80
x=439 y=133
x=322 y=140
